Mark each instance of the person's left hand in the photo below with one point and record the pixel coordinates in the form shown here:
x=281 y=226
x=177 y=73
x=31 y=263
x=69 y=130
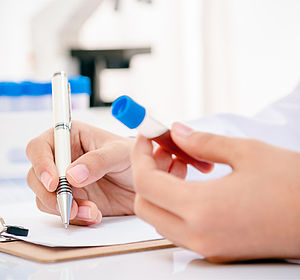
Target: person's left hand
x=252 y=213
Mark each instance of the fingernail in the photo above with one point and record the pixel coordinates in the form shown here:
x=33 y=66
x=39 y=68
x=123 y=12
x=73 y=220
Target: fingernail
x=84 y=212
x=182 y=130
x=46 y=180
x=79 y=173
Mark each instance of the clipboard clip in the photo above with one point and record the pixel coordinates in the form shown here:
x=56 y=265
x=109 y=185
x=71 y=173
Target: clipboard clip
x=13 y=230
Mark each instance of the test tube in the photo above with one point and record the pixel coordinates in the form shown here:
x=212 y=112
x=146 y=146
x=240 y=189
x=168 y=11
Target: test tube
x=134 y=116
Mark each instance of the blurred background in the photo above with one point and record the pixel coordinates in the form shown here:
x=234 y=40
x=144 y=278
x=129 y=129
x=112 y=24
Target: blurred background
x=186 y=58
x=181 y=59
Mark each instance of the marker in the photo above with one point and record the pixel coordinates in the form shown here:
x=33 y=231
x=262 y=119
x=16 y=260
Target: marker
x=134 y=116
x=62 y=125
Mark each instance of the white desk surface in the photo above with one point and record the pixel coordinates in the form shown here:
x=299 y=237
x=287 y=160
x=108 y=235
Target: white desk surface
x=174 y=263
x=164 y=264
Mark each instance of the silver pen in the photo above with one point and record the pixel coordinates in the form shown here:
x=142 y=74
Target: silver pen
x=61 y=102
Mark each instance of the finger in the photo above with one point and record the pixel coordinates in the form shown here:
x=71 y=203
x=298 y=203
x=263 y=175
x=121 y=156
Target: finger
x=46 y=197
x=83 y=212
x=87 y=214
x=165 y=162
x=93 y=165
x=178 y=168
x=160 y=188
x=163 y=159
x=40 y=153
x=205 y=146
x=166 y=224
x=166 y=191
x=44 y=208
x=143 y=150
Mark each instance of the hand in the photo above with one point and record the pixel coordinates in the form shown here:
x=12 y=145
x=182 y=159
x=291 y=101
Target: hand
x=254 y=212
x=100 y=174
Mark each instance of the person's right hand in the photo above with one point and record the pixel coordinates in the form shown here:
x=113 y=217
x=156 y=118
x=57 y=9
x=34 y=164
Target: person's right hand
x=100 y=174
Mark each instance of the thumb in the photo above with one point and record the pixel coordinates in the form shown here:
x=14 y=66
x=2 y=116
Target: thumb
x=205 y=146
x=93 y=165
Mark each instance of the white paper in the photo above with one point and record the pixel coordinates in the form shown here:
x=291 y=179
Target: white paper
x=48 y=230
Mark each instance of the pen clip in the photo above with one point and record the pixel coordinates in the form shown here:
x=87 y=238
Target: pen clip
x=70 y=106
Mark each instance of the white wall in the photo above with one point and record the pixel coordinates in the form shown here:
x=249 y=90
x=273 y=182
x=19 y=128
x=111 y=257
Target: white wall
x=16 y=57
x=267 y=51
x=252 y=53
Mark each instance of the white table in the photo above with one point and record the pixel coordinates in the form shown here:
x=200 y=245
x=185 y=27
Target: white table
x=164 y=264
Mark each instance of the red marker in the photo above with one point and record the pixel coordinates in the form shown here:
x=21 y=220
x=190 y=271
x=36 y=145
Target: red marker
x=134 y=116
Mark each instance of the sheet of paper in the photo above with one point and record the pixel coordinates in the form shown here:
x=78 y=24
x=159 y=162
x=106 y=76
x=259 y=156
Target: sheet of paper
x=45 y=229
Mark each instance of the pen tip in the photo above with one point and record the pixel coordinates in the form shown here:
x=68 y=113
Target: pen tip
x=66 y=226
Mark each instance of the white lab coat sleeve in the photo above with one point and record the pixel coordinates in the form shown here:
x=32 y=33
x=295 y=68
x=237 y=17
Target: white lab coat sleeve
x=278 y=124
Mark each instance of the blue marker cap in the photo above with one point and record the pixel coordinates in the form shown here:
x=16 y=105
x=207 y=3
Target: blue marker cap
x=128 y=111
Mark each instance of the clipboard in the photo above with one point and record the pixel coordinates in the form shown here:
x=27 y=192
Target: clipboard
x=44 y=254
x=11 y=244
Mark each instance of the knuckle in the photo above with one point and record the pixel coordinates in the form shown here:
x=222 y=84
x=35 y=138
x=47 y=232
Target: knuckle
x=99 y=157
x=30 y=174
x=123 y=148
x=30 y=146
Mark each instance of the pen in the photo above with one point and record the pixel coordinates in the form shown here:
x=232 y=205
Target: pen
x=62 y=126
